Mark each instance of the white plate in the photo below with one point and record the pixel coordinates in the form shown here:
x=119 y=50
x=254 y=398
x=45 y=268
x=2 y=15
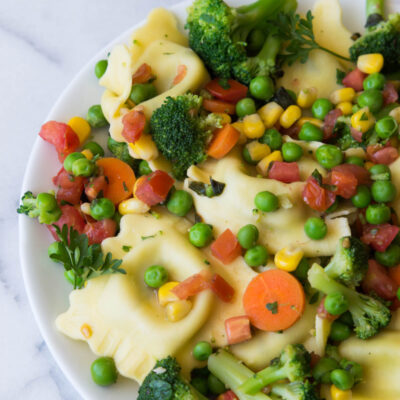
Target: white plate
x=46 y=287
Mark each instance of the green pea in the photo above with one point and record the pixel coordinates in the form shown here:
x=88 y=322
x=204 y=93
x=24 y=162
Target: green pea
x=255 y=41
x=262 y=88
x=371 y=98
x=355 y=160
x=339 y=331
x=200 y=384
x=144 y=168
x=215 y=385
x=386 y=127
x=390 y=257
x=180 y=203
x=256 y=256
x=104 y=372
x=272 y=138
x=155 y=276
x=209 y=191
x=301 y=271
x=347 y=319
x=354 y=368
x=95 y=148
x=380 y=172
x=377 y=214
x=102 y=208
x=46 y=202
x=100 y=68
x=71 y=277
x=291 y=151
x=142 y=91
x=95 y=117
x=292 y=95
x=362 y=198
x=245 y=107
x=329 y=156
x=335 y=303
x=333 y=207
x=398 y=293
x=247 y=157
x=383 y=191
x=342 y=379
x=374 y=81
x=320 y=108
x=200 y=234
x=83 y=167
x=266 y=201
x=202 y=350
x=70 y=159
x=310 y=133
x=323 y=368
x=248 y=236
x=315 y=228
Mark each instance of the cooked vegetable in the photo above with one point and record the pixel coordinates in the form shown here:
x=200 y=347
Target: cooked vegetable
x=295 y=391
x=342 y=379
x=95 y=148
x=315 y=228
x=224 y=139
x=102 y=208
x=266 y=201
x=83 y=167
x=100 y=68
x=95 y=117
x=180 y=203
x=226 y=247
x=103 y=371
x=248 y=236
x=155 y=276
x=377 y=214
x=202 y=350
x=200 y=234
x=336 y=303
x=153 y=189
x=256 y=256
x=120 y=150
x=245 y=107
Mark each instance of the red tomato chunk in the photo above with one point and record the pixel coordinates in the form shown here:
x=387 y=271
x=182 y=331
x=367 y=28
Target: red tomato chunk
x=142 y=75
x=229 y=395
x=71 y=217
x=226 y=248
x=222 y=288
x=231 y=92
x=284 y=172
x=354 y=79
x=377 y=280
x=70 y=188
x=238 y=329
x=191 y=286
x=379 y=237
x=99 y=230
x=134 y=123
x=345 y=183
x=316 y=197
x=95 y=186
x=153 y=189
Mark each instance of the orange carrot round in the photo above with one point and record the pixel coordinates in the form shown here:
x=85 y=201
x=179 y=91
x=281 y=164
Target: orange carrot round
x=223 y=141
x=120 y=178
x=274 y=300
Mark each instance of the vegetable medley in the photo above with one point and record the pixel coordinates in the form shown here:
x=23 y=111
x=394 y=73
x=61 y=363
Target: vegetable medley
x=314 y=182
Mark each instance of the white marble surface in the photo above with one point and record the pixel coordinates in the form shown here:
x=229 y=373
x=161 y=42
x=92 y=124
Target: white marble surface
x=43 y=44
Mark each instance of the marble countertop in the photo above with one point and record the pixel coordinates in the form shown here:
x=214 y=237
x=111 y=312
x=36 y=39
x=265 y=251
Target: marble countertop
x=43 y=43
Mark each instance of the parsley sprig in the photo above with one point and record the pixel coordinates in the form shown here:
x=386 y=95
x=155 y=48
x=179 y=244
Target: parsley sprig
x=87 y=262
x=298 y=32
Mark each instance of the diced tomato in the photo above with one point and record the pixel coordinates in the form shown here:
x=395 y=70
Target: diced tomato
x=218 y=106
x=143 y=74
x=222 y=288
x=345 y=182
x=95 y=186
x=61 y=136
x=390 y=94
x=379 y=237
x=99 y=230
x=385 y=155
x=322 y=313
x=70 y=188
x=134 y=123
x=191 y=286
x=316 y=197
x=180 y=74
x=232 y=91
x=377 y=280
x=330 y=121
x=226 y=248
x=357 y=135
x=237 y=329
x=284 y=172
x=71 y=217
x=362 y=175
x=293 y=131
x=354 y=79
x=394 y=273
x=229 y=395
x=153 y=189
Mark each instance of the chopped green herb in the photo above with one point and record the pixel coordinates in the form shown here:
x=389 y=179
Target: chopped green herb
x=126 y=248
x=273 y=307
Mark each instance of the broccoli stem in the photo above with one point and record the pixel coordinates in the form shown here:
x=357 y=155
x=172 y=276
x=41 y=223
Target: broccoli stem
x=269 y=51
x=263 y=378
x=375 y=7
x=233 y=373
x=257 y=11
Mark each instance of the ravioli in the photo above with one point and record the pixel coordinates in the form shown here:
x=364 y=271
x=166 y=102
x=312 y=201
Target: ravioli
x=395 y=171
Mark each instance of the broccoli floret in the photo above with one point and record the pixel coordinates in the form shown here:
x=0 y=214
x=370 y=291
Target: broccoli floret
x=218 y=34
x=181 y=133
x=164 y=382
x=120 y=150
x=44 y=207
x=369 y=315
x=381 y=37
x=295 y=391
x=293 y=364
x=350 y=261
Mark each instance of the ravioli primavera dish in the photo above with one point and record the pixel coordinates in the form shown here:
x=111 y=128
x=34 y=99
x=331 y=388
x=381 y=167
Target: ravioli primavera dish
x=239 y=237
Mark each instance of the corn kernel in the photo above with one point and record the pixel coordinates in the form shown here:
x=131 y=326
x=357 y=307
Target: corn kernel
x=370 y=63
x=342 y=95
x=288 y=258
x=263 y=165
x=395 y=113
x=144 y=148
x=290 y=116
x=132 y=206
x=165 y=295
x=253 y=126
x=225 y=118
x=81 y=127
x=345 y=107
x=257 y=150
x=368 y=165
x=363 y=120
x=338 y=394
x=240 y=127
x=87 y=153
x=177 y=310
x=85 y=208
x=270 y=114
x=315 y=121
x=86 y=331
x=307 y=97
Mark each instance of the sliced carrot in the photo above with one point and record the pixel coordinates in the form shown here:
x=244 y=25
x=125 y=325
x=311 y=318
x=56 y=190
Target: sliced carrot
x=223 y=141
x=218 y=106
x=274 y=300
x=180 y=74
x=120 y=178
x=394 y=273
